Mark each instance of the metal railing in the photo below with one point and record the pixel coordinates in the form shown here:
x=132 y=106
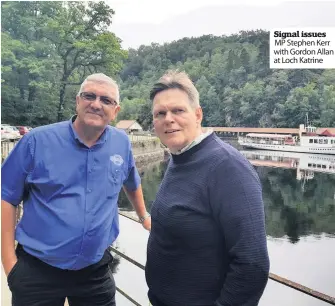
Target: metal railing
x=316 y=294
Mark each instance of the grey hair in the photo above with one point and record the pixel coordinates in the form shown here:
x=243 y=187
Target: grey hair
x=100 y=78
x=180 y=80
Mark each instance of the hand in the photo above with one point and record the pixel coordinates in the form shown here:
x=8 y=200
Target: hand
x=147 y=224
x=9 y=264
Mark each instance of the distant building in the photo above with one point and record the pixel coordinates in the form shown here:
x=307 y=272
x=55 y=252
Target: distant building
x=129 y=126
x=326 y=131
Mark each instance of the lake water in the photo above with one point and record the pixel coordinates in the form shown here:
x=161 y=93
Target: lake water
x=299 y=200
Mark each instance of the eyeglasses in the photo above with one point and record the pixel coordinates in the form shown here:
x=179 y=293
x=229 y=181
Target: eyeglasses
x=91 y=96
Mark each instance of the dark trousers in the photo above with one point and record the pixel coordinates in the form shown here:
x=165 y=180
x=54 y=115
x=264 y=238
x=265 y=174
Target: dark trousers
x=35 y=283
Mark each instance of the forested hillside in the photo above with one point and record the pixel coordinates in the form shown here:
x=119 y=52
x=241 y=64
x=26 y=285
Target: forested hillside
x=49 y=47
x=236 y=86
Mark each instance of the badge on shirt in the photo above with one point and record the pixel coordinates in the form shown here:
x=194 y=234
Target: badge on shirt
x=116 y=159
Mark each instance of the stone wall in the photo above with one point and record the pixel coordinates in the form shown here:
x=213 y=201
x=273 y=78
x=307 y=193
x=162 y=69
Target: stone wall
x=147 y=150
x=6 y=147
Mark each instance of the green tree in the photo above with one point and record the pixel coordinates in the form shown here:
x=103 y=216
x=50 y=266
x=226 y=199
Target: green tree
x=301 y=101
x=245 y=60
x=48 y=46
x=130 y=109
x=83 y=44
x=27 y=62
x=327 y=106
x=251 y=109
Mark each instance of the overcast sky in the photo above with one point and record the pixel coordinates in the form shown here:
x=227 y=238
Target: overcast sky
x=139 y=22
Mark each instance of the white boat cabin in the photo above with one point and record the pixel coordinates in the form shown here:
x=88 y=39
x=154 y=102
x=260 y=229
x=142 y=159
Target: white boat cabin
x=274 y=139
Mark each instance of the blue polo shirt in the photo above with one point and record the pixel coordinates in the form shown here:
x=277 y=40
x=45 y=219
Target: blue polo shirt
x=69 y=192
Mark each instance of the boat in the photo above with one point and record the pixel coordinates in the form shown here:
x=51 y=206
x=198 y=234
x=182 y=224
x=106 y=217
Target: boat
x=304 y=164
x=308 y=141
x=292 y=160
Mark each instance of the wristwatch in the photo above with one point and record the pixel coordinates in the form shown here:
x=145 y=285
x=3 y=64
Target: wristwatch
x=143 y=218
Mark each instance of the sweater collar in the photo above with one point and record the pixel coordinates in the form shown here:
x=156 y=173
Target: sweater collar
x=196 y=141
x=185 y=155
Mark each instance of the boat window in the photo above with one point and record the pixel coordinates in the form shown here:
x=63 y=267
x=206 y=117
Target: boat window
x=324 y=167
x=315 y=141
x=311 y=141
x=325 y=141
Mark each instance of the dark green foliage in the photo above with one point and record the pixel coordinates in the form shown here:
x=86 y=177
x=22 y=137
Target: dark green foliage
x=236 y=86
x=48 y=48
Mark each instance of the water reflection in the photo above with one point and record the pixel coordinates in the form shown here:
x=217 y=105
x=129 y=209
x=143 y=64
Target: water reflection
x=300 y=220
x=151 y=177
x=305 y=164
x=298 y=192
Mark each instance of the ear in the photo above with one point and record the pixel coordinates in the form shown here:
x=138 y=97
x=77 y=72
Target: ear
x=117 y=109
x=199 y=115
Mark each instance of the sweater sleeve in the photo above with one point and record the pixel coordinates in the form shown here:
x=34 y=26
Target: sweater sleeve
x=235 y=196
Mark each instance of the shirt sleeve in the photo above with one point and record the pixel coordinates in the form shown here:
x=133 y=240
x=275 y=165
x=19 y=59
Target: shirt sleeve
x=133 y=179
x=236 y=200
x=15 y=169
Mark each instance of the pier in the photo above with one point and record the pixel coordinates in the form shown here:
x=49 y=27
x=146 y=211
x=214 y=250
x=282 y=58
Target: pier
x=244 y=130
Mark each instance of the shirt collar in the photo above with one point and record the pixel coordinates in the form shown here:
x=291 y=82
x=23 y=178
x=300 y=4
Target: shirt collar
x=101 y=140
x=196 y=141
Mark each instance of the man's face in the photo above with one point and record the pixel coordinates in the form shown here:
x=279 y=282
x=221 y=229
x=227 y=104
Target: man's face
x=96 y=105
x=176 y=123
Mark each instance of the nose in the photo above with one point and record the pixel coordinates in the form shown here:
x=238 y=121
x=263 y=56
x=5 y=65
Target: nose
x=169 y=117
x=96 y=103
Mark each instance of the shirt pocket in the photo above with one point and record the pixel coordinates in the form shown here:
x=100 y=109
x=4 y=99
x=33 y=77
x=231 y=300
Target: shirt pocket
x=114 y=179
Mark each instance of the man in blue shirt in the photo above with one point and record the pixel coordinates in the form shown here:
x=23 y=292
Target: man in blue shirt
x=68 y=175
